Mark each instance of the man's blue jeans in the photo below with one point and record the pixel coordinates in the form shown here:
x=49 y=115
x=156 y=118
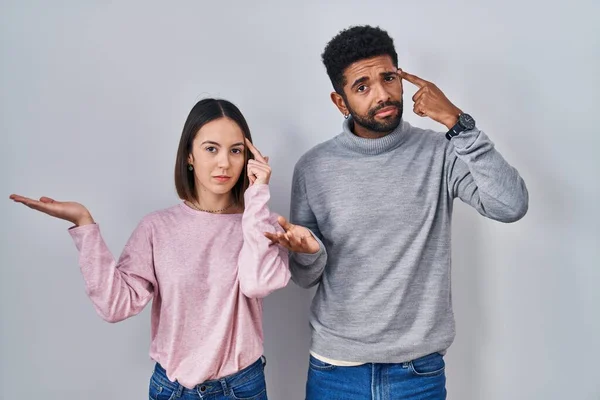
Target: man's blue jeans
x=420 y=379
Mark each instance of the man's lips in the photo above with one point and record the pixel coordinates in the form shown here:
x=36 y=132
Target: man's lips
x=386 y=111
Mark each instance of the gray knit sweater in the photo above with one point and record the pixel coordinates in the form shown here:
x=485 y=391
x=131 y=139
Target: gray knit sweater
x=382 y=209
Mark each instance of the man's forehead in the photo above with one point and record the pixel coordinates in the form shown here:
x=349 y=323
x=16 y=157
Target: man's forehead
x=378 y=64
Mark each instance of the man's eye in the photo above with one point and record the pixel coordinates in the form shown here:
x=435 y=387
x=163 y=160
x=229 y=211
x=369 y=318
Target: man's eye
x=390 y=78
x=361 y=88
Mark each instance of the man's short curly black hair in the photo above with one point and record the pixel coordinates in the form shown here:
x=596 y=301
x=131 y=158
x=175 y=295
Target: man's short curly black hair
x=354 y=44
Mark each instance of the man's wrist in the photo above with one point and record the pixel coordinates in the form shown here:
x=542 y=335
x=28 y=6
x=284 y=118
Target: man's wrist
x=452 y=118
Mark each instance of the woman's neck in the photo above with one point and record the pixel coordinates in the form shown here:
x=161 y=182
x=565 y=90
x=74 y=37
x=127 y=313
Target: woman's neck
x=216 y=203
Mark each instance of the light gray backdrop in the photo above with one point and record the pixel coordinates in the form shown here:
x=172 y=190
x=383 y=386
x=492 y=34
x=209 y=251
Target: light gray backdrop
x=93 y=96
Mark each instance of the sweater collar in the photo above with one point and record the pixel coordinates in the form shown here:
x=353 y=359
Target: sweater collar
x=372 y=146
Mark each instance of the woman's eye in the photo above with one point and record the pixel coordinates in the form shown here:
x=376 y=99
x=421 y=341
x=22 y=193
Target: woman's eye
x=211 y=149
x=236 y=151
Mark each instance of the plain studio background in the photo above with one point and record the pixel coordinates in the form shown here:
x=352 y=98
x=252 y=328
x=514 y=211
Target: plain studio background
x=93 y=97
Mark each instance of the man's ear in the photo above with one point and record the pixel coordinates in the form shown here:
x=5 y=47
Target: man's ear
x=339 y=102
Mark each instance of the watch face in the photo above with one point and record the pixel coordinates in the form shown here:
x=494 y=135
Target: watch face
x=466 y=121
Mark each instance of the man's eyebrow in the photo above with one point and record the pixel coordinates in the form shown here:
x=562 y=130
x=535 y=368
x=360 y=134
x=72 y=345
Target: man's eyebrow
x=359 y=81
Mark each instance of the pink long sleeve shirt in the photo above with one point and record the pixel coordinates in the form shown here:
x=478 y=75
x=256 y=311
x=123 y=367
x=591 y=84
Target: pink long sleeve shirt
x=207 y=274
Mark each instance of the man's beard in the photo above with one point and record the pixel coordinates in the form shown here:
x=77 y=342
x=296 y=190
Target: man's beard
x=369 y=122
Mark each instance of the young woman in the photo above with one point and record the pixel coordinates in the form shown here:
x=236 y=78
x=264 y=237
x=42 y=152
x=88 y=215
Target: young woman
x=205 y=262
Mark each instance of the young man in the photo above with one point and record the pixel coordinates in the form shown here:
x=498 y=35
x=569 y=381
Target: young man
x=370 y=224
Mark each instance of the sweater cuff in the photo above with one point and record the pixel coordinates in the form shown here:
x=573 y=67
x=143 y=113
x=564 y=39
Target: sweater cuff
x=306 y=259
x=78 y=233
x=464 y=140
x=255 y=189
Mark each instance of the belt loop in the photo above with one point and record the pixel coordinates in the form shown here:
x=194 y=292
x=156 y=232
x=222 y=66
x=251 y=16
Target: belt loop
x=225 y=386
x=179 y=391
x=264 y=361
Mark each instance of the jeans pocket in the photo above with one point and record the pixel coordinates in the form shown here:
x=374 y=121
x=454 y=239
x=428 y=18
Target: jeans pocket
x=319 y=365
x=430 y=365
x=159 y=391
x=254 y=388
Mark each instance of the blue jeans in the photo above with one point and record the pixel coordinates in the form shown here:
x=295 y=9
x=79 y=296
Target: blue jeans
x=420 y=379
x=248 y=384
